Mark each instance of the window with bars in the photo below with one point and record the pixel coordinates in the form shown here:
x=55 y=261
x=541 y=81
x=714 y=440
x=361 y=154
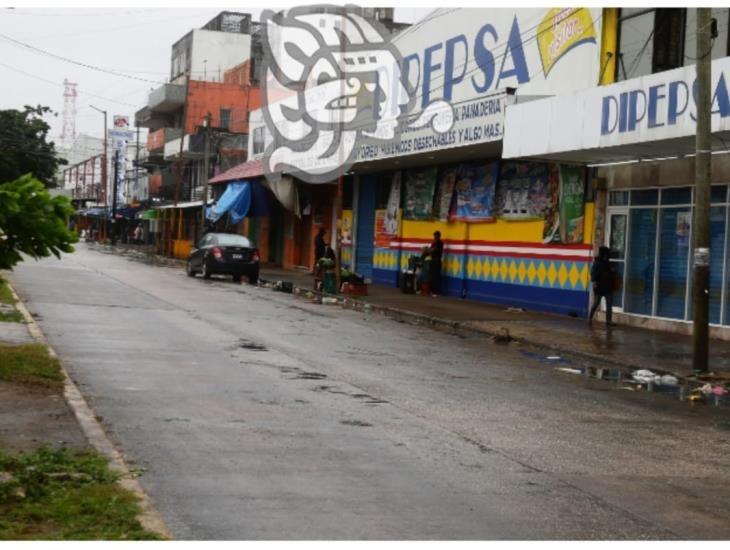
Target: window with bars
x=225 y=119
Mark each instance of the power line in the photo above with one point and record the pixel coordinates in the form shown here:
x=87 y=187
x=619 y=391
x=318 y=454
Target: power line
x=74 y=62
x=41 y=79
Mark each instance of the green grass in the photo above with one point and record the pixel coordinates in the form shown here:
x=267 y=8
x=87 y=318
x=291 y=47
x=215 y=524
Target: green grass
x=29 y=364
x=6 y=297
x=83 y=503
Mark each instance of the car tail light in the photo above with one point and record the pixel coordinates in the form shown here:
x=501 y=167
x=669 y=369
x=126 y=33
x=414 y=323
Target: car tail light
x=217 y=253
x=255 y=256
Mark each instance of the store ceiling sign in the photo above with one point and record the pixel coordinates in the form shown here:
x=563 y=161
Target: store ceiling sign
x=641 y=110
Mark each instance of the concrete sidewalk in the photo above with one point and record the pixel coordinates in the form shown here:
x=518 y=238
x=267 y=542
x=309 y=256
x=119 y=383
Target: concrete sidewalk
x=624 y=346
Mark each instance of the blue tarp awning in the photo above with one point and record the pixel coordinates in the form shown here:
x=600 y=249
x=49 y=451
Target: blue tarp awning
x=240 y=199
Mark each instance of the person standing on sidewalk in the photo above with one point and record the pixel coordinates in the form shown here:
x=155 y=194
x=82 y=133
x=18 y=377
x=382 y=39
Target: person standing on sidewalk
x=320 y=247
x=435 y=251
x=602 y=279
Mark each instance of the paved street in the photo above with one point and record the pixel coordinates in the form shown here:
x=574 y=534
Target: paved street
x=257 y=415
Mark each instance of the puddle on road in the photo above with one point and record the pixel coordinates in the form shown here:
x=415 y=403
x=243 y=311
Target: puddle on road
x=359 y=423
x=253 y=346
x=622 y=379
x=309 y=376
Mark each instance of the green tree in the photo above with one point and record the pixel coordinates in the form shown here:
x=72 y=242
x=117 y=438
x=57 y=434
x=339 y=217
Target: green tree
x=23 y=146
x=32 y=222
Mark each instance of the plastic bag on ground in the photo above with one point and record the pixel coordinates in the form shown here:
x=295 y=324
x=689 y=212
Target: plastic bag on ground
x=643 y=376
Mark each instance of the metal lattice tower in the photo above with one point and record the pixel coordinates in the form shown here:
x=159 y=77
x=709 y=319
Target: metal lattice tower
x=68 y=132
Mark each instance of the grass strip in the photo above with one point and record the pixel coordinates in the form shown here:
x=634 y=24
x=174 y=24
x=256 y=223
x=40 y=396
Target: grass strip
x=29 y=364
x=62 y=494
x=6 y=297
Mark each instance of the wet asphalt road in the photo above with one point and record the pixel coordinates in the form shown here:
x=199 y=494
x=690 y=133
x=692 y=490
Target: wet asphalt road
x=257 y=415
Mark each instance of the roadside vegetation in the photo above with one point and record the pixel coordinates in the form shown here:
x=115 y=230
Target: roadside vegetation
x=29 y=364
x=65 y=495
x=8 y=313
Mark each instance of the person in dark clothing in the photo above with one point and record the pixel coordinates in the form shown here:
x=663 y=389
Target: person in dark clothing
x=436 y=252
x=320 y=247
x=602 y=279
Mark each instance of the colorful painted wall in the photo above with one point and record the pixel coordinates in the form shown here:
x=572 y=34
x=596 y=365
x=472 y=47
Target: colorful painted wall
x=502 y=262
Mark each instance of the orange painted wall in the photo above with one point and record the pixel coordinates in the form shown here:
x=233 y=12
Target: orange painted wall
x=240 y=74
x=155 y=182
x=211 y=97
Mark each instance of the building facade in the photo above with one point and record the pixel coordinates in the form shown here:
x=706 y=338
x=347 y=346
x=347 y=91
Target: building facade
x=636 y=135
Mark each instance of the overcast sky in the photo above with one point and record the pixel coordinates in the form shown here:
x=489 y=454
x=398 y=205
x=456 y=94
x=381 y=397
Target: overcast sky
x=133 y=41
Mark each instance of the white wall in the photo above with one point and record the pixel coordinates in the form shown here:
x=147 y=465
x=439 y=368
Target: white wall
x=220 y=50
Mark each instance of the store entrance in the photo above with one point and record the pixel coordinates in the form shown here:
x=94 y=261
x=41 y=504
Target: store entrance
x=617 y=224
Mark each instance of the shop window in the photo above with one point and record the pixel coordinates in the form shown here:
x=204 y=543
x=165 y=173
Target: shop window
x=617 y=245
x=674 y=248
x=677 y=195
x=639 y=282
x=258 y=140
x=717 y=249
x=721 y=44
x=618 y=198
x=718 y=194
x=650 y=41
x=225 y=119
x=668 y=39
x=645 y=197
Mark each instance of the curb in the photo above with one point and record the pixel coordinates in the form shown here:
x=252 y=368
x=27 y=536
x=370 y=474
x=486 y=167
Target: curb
x=94 y=432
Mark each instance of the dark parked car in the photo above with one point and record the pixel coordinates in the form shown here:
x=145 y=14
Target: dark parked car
x=227 y=254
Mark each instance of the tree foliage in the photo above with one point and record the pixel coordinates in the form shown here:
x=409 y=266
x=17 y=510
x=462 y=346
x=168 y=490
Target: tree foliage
x=23 y=145
x=32 y=222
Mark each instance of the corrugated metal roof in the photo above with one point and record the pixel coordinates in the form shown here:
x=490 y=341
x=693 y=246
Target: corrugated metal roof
x=251 y=169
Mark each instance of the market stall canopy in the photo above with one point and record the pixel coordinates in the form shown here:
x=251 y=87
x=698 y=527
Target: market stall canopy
x=240 y=199
x=95 y=212
x=150 y=214
x=192 y=204
x=127 y=212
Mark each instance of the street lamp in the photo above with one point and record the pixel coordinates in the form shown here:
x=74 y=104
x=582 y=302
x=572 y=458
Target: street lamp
x=104 y=166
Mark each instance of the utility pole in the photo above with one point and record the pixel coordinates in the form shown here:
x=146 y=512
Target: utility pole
x=338 y=234
x=180 y=168
x=136 y=165
x=206 y=171
x=114 y=197
x=703 y=159
x=104 y=167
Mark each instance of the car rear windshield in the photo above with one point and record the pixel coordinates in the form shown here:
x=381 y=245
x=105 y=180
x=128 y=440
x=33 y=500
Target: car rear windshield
x=232 y=240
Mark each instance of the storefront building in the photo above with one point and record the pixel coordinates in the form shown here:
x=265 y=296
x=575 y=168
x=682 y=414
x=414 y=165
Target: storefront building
x=517 y=232
x=637 y=136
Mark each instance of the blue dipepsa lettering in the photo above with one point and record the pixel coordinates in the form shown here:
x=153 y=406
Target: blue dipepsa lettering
x=437 y=70
x=660 y=105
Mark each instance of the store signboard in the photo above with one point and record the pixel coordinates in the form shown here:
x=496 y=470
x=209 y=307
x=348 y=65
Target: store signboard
x=476 y=60
x=641 y=110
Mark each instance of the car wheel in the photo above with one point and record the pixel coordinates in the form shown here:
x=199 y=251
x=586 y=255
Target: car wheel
x=237 y=279
x=189 y=269
x=205 y=272
x=253 y=279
